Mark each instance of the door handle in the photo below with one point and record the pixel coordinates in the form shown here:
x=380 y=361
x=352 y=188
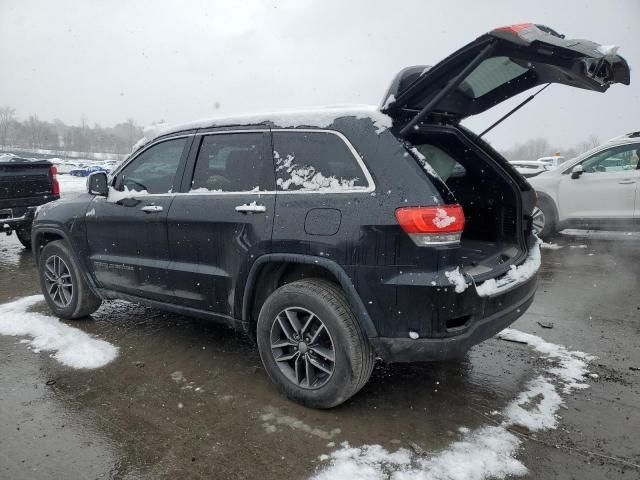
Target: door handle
x=151 y=208
x=626 y=182
x=251 y=208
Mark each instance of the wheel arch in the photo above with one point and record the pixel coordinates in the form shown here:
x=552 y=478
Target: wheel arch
x=44 y=235
x=545 y=197
x=270 y=271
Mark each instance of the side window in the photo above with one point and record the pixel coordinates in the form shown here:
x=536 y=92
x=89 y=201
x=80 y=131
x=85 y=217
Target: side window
x=154 y=170
x=317 y=161
x=232 y=162
x=617 y=159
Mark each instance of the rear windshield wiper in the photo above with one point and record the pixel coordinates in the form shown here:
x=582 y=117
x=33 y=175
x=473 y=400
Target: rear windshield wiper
x=511 y=112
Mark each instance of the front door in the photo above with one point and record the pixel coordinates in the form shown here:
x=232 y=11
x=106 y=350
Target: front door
x=606 y=190
x=223 y=219
x=127 y=231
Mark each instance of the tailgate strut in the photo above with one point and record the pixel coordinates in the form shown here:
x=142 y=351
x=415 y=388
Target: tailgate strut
x=512 y=111
x=453 y=83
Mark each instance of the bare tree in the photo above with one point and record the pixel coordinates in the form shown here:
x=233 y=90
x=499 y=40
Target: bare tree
x=6 y=119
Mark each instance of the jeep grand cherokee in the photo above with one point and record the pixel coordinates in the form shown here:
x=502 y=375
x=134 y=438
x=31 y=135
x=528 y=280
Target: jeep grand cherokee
x=331 y=236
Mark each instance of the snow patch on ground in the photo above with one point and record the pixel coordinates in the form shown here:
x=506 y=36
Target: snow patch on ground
x=71 y=346
x=486 y=452
x=71 y=184
x=456 y=277
x=516 y=274
x=550 y=246
x=272 y=418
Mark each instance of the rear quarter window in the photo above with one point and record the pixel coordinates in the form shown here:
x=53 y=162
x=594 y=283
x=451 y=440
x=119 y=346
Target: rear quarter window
x=316 y=161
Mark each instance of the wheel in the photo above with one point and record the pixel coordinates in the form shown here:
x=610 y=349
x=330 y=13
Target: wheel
x=311 y=344
x=62 y=284
x=544 y=220
x=24 y=235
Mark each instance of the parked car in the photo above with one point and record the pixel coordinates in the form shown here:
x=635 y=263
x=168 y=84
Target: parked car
x=332 y=236
x=597 y=190
x=24 y=185
x=86 y=171
x=529 y=168
x=553 y=161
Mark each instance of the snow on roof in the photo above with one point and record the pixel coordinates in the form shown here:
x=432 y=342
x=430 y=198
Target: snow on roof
x=320 y=117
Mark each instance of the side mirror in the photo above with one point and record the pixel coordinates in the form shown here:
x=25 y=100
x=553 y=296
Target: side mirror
x=97 y=184
x=577 y=171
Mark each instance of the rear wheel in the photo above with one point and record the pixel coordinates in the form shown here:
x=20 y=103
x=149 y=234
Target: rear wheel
x=24 y=236
x=544 y=220
x=311 y=344
x=63 y=285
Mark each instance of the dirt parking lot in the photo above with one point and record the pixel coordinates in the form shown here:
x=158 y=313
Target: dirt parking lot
x=189 y=399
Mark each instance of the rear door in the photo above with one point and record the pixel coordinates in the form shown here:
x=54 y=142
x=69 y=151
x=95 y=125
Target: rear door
x=127 y=231
x=497 y=66
x=223 y=219
x=606 y=190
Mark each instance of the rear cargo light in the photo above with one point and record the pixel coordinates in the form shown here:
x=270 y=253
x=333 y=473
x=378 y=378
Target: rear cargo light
x=55 y=185
x=427 y=226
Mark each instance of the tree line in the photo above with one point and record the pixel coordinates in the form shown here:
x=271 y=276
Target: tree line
x=540 y=147
x=34 y=133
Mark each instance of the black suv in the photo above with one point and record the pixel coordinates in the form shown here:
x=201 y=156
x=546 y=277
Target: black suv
x=333 y=236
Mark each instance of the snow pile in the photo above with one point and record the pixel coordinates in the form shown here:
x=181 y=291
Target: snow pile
x=442 y=219
x=516 y=274
x=572 y=365
x=72 y=346
x=486 y=452
x=321 y=117
x=456 y=277
x=307 y=177
x=550 y=246
x=608 y=49
x=115 y=196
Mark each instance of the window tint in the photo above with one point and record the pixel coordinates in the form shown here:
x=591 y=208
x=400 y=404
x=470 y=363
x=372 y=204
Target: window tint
x=315 y=161
x=232 y=163
x=154 y=170
x=489 y=75
x=616 y=159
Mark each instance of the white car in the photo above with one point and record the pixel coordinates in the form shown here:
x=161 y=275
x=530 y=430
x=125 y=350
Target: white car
x=529 y=168
x=553 y=161
x=597 y=190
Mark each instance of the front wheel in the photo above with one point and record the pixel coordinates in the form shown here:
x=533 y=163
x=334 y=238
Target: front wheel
x=63 y=285
x=311 y=344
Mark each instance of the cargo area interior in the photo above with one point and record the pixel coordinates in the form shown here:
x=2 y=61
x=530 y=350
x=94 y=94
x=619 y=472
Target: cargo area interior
x=489 y=201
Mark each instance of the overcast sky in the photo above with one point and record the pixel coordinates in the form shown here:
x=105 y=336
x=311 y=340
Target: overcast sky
x=182 y=60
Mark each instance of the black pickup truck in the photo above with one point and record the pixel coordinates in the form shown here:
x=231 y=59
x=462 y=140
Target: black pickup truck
x=24 y=184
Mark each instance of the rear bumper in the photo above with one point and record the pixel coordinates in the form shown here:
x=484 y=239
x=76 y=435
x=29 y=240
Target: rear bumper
x=8 y=224
x=500 y=312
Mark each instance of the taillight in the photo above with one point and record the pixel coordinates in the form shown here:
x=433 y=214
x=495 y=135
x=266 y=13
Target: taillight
x=55 y=185
x=432 y=225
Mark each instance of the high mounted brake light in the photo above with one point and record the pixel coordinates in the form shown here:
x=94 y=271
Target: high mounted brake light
x=516 y=28
x=427 y=226
x=55 y=185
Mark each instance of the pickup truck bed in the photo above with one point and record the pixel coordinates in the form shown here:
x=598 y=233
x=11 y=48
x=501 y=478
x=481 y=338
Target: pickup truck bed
x=24 y=185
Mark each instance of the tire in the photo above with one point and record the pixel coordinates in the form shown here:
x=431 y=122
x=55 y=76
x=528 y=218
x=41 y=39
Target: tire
x=340 y=337
x=71 y=299
x=24 y=236
x=544 y=220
